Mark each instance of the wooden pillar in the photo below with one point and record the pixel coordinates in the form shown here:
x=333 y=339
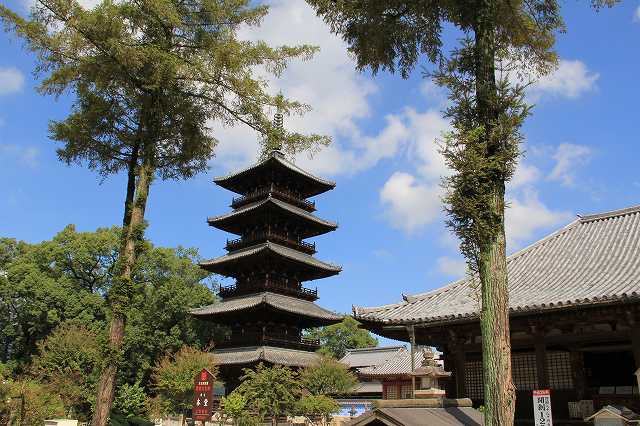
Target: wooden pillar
x=412 y=336
x=577 y=372
x=459 y=361
x=541 y=359
x=635 y=343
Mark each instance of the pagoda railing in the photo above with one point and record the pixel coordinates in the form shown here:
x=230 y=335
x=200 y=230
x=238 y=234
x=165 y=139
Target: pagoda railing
x=276 y=286
x=246 y=241
x=258 y=337
x=280 y=193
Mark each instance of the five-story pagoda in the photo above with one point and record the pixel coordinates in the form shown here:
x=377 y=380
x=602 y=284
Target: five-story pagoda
x=268 y=308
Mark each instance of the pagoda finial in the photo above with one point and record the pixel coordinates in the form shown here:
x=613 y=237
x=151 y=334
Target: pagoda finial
x=278 y=126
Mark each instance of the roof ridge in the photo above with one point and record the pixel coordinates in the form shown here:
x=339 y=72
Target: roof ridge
x=610 y=214
x=278 y=156
x=375 y=348
x=278 y=202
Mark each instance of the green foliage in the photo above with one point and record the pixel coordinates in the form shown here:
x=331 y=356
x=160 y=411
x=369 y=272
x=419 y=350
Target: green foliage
x=173 y=376
x=234 y=408
x=117 y=419
x=336 y=339
x=270 y=392
x=53 y=310
x=33 y=403
x=328 y=377
x=317 y=407
x=69 y=362
x=131 y=400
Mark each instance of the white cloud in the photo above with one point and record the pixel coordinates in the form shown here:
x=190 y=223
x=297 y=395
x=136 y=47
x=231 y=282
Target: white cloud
x=570 y=80
x=636 y=15
x=452 y=267
x=329 y=83
x=526 y=214
x=24 y=155
x=525 y=174
x=568 y=157
x=410 y=204
x=11 y=80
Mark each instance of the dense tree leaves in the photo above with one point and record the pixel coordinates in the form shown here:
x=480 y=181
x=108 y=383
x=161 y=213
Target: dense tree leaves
x=63 y=282
x=173 y=376
x=336 y=339
x=328 y=377
x=68 y=363
x=270 y=392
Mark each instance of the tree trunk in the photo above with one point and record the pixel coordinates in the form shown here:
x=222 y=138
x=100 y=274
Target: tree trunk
x=499 y=392
x=122 y=287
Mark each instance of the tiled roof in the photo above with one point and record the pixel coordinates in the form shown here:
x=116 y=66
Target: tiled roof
x=367 y=357
x=278 y=158
x=321 y=269
x=270 y=354
x=593 y=260
x=223 y=221
x=447 y=416
x=277 y=301
x=398 y=364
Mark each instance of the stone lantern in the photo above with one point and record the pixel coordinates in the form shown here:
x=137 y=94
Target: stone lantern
x=428 y=377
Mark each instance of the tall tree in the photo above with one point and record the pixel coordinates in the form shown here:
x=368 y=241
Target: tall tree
x=486 y=115
x=337 y=338
x=149 y=76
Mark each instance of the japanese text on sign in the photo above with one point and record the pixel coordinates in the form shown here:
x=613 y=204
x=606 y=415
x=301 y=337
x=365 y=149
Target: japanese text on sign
x=203 y=396
x=542 y=407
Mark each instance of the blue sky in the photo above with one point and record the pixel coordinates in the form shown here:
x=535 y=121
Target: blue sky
x=582 y=156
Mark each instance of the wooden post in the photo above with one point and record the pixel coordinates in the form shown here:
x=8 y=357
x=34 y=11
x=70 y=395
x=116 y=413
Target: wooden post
x=412 y=336
x=577 y=372
x=460 y=360
x=541 y=359
x=635 y=343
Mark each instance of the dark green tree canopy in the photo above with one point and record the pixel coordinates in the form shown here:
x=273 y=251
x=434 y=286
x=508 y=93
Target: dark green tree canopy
x=66 y=279
x=336 y=339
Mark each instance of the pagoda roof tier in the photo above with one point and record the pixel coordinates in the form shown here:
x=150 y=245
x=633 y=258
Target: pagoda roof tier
x=305 y=266
x=269 y=354
x=309 y=313
x=237 y=220
x=245 y=180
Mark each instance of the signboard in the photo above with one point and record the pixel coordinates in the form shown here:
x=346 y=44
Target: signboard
x=542 y=407
x=203 y=396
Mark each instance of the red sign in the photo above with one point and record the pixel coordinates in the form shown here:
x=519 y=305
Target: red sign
x=203 y=396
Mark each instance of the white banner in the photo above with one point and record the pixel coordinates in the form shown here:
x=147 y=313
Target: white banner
x=542 y=407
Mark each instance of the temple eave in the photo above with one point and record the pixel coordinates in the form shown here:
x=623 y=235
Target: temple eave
x=270 y=354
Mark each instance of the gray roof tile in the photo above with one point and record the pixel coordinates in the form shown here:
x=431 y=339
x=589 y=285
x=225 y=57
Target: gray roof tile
x=278 y=301
x=270 y=354
x=278 y=157
x=279 y=203
x=398 y=364
x=593 y=260
x=286 y=252
x=367 y=357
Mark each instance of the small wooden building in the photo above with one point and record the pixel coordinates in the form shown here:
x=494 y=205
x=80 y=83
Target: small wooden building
x=575 y=318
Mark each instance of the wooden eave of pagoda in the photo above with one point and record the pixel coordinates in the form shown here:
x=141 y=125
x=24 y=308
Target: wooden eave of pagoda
x=269 y=306
x=259 y=212
x=268 y=354
x=304 y=266
x=275 y=165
